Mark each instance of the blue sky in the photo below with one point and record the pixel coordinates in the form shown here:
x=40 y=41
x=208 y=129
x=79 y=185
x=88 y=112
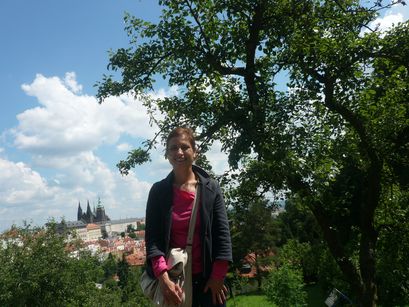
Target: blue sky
x=59 y=147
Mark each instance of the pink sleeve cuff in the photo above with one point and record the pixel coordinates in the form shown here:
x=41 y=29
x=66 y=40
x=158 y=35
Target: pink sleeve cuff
x=219 y=270
x=158 y=265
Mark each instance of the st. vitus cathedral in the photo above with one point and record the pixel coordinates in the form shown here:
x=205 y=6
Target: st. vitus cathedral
x=95 y=216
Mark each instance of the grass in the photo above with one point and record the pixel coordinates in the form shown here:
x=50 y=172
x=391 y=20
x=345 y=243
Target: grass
x=316 y=298
x=254 y=299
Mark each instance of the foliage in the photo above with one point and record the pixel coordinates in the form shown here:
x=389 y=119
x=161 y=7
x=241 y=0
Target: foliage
x=294 y=253
x=130 y=228
x=257 y=237
x=285 y=288
x=39 y=269
x=137 y=156
x=304 y=250
x=239 y=284
x=336 y=140
x=299 y=230
x=298 y=223
x=393 y=248
x=329 y=273
x=110 y=266
x=133 y=235
x=132 y=294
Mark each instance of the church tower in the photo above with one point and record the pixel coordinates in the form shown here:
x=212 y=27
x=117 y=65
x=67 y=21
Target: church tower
x=79 y=213
x=100 y=213
x=89 y=214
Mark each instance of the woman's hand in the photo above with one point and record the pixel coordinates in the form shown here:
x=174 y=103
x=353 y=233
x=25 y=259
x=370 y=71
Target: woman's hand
x=172 y=292
x=219 y=290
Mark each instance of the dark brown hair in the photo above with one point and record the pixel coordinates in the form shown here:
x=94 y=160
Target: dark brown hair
x=179 y=131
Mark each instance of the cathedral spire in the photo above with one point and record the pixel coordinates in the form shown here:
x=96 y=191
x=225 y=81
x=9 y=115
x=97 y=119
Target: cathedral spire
x=90 y=216
x=79 y=212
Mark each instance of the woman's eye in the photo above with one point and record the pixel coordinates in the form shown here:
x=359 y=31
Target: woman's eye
x=176 y=148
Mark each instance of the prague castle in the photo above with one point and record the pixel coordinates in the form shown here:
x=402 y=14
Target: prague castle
x=95 y=224
x=95 y=216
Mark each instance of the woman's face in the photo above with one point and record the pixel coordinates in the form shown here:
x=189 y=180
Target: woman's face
x=180 y=152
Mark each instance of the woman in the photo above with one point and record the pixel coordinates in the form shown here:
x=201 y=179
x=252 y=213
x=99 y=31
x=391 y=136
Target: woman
x=168 y=214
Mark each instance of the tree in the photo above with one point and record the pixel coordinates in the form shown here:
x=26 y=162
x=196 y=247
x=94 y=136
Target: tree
x=130 y=228
x=297 y=223
x=140 y=227
x=37 y=270
x=285 y=287
x=104 y=234
x=337 y=139
x=110 y=266
x=253 y=231
x=393 y=254
x=133 y=235
x=129 y=282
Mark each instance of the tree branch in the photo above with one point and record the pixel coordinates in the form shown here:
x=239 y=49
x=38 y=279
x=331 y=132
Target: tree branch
x=296 y=184
x=196 y=18
x=349 y=117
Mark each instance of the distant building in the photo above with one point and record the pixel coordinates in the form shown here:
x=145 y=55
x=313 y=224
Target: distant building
x=121 y=225
x=95 y=224
x=93 y=232
x=78 y=226
x=95 y=216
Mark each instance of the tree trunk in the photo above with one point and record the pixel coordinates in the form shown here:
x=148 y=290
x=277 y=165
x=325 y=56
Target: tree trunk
x=258 y=273
x=369 y=237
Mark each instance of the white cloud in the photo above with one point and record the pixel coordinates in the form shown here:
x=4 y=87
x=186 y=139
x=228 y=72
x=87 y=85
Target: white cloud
x=388 y=21
x=62 y=135
x=124 y=147
x=71 y=82
x=217 y=158
x=397 y=14
x=26 y=195
x=400 y=9
x=20 y=184
x=162 y=93
x=67 y=122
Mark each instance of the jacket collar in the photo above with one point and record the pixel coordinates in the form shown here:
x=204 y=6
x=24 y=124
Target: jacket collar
x=204 y=177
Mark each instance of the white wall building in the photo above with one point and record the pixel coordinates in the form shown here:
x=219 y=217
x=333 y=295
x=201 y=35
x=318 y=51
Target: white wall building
x=93 y=232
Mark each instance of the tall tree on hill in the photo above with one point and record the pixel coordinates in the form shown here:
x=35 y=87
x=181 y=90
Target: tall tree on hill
x=338 y=138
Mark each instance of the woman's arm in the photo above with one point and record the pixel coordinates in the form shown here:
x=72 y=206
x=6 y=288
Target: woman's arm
x=222 y=251
x=154 y=229
x=221 y=240
x=155 y=244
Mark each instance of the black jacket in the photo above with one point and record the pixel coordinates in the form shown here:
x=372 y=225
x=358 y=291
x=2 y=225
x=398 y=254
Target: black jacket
x=214 y=232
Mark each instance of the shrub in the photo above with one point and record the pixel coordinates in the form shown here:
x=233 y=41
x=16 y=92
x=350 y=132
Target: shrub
x=284 y=287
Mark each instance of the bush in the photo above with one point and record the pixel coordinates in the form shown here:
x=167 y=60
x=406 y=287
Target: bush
x=284 y=287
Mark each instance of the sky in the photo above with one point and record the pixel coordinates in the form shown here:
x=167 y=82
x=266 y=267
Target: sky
x=58 y=146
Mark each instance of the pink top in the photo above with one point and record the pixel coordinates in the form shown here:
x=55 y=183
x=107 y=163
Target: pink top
x=182 y=210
